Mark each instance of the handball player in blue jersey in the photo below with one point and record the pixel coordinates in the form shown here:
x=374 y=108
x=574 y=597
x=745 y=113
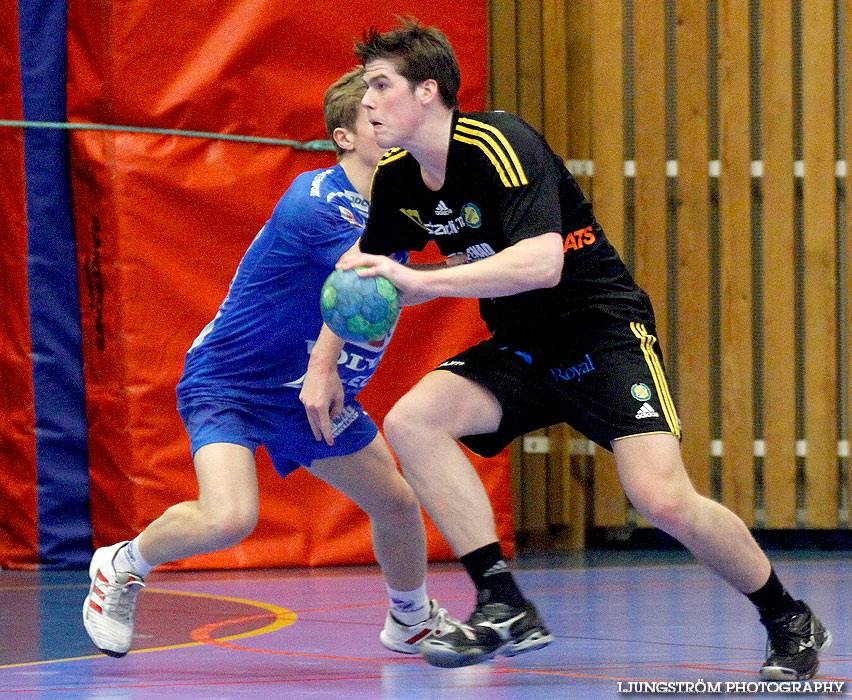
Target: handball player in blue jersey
x=241 y=389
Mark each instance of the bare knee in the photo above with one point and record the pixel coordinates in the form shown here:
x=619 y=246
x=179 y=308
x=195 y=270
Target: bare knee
x=441 y=406
x=669 y=510
x=656 y=482
x=231 y=524
x=394 y=506
x=228 y=505
x=402 y=421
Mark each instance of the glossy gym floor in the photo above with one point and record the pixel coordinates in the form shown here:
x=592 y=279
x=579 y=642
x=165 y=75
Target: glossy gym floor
x=618 y=618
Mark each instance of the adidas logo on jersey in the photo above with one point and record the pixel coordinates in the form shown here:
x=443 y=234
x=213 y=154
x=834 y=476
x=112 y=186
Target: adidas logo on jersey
x=647 y=411
x=442 y=209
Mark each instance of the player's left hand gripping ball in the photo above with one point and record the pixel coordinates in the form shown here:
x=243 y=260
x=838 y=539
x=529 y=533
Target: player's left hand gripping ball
x=359 y=309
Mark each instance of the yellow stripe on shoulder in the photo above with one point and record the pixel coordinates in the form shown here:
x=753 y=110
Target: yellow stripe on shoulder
x=508 y=176
x=495 y=139
x=494 y=161
x=392 y=155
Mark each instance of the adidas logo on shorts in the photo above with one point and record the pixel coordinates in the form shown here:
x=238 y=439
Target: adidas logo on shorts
x=647 y=411
x=442 y=209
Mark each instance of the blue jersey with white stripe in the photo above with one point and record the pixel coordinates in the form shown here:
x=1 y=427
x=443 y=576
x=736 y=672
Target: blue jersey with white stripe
x=256 y=348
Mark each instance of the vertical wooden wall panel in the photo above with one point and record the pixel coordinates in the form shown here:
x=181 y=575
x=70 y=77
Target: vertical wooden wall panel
x=577 y=15
x=779 y=254
x=573 y=512
x=609 y=505
x=736 y=248
x=650 y=135
x=560 y=65
x=847 y=104
x=607 y=141
x=530 y=75
x=607 y=117
x=820 y=263
x=503 y=89
x=558 y=481
x=694 y=240
x=534 y=480
x=516 y=459
x=555 y=72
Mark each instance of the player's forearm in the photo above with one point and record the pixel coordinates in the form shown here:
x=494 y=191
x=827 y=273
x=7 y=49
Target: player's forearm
x=531 y=264
x=326 y=351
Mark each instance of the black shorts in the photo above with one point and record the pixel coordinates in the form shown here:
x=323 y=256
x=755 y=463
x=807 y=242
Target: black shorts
x=612 y=388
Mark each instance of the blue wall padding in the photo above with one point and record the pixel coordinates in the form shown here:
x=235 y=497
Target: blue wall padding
x=65 y=529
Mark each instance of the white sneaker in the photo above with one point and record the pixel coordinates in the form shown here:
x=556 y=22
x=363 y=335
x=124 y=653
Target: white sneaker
x=109 y=607
x=406 y=638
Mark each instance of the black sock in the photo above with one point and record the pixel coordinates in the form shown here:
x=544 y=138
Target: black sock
x=491 y=576
x=772 y=599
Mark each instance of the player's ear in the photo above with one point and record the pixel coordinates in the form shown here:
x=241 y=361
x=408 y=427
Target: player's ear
x=343 y=138
x=428 y=90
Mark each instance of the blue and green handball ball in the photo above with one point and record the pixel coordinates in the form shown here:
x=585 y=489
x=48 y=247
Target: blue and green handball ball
x=359 y=309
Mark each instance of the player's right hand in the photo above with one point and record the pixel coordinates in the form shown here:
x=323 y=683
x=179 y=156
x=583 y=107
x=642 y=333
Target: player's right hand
x=404 y=277
x=322 y=396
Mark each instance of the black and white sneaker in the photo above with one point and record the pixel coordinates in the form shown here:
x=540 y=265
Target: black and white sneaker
x=795 y=639
x=493 y=628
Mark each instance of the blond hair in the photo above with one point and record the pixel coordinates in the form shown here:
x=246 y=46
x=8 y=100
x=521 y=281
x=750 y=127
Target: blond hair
x=342 y=102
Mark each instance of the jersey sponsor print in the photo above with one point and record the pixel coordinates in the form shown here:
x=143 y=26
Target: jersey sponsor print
x=258 y=344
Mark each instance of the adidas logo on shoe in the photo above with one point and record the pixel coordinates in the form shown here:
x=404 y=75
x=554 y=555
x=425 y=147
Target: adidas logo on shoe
x=498 y=568
x=647 y=411
x=442 y=209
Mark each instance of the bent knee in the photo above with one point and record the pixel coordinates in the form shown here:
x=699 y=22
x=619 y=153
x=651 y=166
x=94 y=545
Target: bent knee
x=670 y=512
x=404 y=419
x=230 y=526
x=394 y=503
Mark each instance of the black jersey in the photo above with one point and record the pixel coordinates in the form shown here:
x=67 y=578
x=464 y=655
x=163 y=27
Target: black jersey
x=504 y=184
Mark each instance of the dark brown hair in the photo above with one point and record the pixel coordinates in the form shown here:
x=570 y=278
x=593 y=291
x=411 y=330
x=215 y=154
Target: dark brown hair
x=418 y=53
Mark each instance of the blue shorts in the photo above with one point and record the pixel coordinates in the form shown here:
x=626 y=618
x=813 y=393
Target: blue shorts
x=283 y=430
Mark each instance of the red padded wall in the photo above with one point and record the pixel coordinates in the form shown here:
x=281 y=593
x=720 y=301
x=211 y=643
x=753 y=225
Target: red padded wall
x=18 y=505
x=162 y=222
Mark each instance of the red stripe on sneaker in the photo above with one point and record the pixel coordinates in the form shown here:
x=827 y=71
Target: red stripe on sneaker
x=101 y=577
x=417 y=637
x=95 y=606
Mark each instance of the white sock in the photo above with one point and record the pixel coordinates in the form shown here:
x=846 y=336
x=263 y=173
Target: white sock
x=409 y=607
x=128 y=558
